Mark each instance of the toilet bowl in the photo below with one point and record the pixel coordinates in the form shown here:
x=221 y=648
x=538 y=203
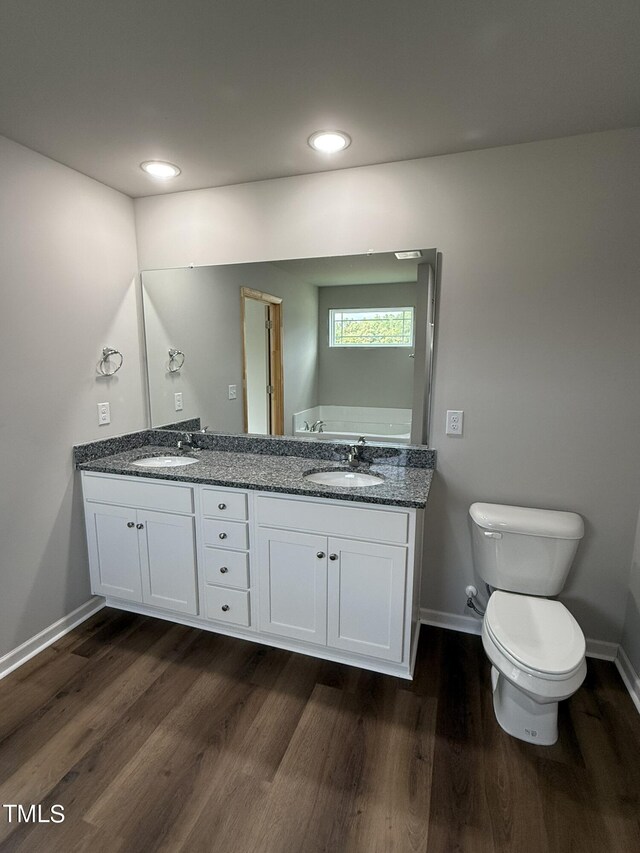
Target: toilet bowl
x=537 y=652
x=536 y=647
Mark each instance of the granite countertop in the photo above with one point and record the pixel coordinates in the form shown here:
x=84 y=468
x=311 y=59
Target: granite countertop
x=403 y=485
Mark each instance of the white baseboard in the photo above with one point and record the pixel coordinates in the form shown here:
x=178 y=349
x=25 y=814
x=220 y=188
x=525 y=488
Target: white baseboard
x=629 y=676
x=602 y=650
x=15 y=658
x=452 y=621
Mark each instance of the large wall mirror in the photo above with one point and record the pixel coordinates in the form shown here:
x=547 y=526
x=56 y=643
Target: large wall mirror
x=334 y=347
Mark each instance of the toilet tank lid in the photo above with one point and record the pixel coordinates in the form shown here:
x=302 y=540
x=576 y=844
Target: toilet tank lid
x=532 y=522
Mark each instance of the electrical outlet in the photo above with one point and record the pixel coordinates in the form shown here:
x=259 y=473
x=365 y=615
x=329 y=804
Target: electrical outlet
x=104 y=414
x=454 y=422
x=177 y=398
x=233 y=392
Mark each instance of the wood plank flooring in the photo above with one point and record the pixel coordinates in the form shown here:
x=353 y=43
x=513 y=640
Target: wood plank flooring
x=158 y=737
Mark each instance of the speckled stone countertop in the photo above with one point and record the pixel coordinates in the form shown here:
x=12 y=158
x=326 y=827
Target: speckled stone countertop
x=403 y=485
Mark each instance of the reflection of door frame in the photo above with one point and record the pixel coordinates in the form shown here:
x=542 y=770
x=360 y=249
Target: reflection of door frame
x=276 y=367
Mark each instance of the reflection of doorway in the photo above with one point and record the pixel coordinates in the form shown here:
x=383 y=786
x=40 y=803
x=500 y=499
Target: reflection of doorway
x=263 y=383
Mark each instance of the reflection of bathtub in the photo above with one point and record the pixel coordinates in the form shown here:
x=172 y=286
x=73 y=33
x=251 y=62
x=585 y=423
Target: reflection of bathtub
x=352 y=422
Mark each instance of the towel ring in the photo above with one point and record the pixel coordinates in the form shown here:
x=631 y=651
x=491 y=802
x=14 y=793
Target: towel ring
x=176 y=360
x=104 y=363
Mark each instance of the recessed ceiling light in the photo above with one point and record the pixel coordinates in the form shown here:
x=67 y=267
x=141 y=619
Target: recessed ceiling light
x=329 y=141
x=403 y=256
x=160 y=169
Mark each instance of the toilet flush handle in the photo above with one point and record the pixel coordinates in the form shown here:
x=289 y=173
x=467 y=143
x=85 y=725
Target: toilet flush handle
x=491 y=534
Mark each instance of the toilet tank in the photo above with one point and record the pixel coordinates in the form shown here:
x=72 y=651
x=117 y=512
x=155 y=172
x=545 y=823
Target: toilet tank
x=524 y=550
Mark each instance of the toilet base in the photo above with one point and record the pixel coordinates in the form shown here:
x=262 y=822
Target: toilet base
x=520 y=716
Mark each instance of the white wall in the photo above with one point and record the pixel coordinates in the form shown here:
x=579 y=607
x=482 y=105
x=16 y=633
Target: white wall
x=67 y=266
x=537 y=331
x=198 y=312
x=630 y=641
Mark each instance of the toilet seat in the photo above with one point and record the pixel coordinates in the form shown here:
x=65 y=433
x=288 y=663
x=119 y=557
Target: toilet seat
x=537 y=635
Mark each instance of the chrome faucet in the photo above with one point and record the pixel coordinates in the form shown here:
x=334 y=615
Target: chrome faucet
x=353 y=456
x=186 y=442
x=318 y=426
x=354 y=453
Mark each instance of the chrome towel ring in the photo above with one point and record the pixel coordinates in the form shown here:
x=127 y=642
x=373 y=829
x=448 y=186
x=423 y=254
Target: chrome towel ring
x=176 y=360
x=105 y=365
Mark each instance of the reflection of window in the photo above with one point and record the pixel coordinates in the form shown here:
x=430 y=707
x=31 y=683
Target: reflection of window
x=371 y=327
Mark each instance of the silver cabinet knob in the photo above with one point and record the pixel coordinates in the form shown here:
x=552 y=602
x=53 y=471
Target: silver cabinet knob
x=333 y=556
x=139 y=526
x=222 y=536
x=130 y=524
x=223 y=570
x=225 y=607
x=222 y=506
x=320 y=555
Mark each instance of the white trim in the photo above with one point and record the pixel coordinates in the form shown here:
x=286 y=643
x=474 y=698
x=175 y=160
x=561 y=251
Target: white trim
x=629 y=676
x=602 y=650
x=15 y=658
x=452 y=621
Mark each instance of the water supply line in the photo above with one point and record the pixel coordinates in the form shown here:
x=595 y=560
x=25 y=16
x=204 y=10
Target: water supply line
x=472 y=593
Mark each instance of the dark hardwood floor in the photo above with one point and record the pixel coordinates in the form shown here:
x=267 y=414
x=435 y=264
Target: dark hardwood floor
x=157 y=737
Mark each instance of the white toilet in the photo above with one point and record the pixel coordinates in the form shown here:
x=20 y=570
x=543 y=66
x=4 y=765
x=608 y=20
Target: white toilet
x=535 y=645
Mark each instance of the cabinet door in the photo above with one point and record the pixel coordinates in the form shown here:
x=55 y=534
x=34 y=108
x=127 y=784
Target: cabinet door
x=114 y=557
x=292 y=573
x=366 y=598
x=167 y=556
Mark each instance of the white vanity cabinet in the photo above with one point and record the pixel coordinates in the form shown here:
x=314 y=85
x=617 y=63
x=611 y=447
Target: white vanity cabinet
x=114 y=551
x=292 y=571
x=139 y=553
x=224 y=556
x=366 y=587
x=341 y=593
x=346 y=591
x=329 y=578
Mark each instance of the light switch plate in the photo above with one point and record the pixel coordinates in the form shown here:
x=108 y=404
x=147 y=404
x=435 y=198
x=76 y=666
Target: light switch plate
x=177 y=397
x=233 y=392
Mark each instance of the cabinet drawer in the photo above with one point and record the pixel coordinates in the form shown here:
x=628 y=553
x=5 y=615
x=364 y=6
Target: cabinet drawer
x=368 y=524
x=226 y=568
x=167 y=497
x=226 y=534
x=234 y=601
x=219 y=504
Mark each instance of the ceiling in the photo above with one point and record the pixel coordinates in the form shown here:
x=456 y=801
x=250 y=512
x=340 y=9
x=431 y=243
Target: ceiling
x=373 y=268
x=230 y=90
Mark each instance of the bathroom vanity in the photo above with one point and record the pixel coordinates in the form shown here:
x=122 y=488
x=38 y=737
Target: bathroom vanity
x=324 y=570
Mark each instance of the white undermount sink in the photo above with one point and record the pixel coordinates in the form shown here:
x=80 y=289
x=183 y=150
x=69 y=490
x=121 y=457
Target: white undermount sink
x=348 y=479
x=164 y=461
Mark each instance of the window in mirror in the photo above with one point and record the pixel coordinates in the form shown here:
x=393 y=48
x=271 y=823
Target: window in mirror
x=371 y=327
